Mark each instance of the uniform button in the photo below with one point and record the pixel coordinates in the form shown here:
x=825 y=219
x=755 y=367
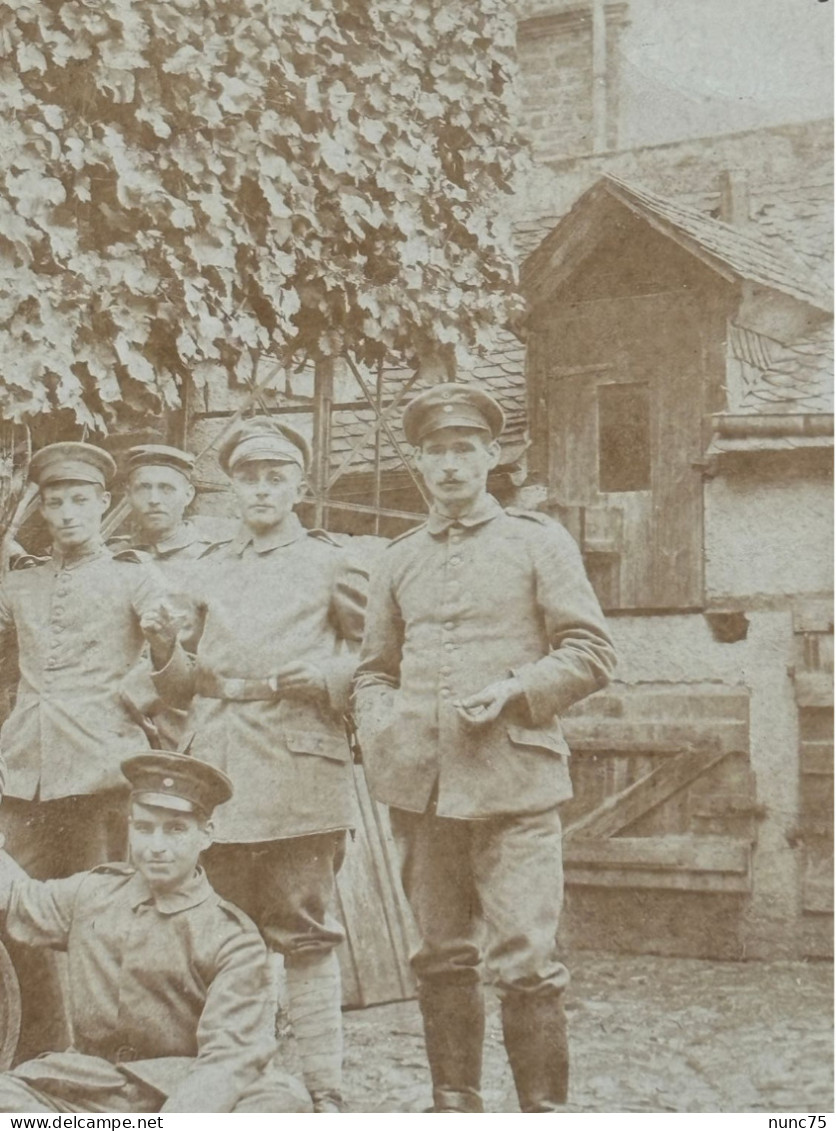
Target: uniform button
x=449 y=625
x=445 y=692
x=455 y=561
x=58 y=628
x=449 y=646
x=446 y=671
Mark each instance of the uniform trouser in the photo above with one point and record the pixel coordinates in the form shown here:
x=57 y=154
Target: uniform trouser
x=287 y=887
x=497 y=880
x=488 y=890
x=50 y=840
x=273 y=1091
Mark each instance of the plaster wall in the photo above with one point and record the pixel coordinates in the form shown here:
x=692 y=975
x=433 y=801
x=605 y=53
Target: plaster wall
x=682 y=650
x=768 y=535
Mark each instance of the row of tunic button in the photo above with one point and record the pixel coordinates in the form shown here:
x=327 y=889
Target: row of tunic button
x=60 y=593
x=449 y=626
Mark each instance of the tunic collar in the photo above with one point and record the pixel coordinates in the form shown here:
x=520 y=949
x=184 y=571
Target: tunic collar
x=185 y=535
x=93 y=549
x=191 y=893
x=485 y=510
x=290 y=531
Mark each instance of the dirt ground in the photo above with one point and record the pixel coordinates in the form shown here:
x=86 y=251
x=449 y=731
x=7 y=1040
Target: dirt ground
x=648 y=1034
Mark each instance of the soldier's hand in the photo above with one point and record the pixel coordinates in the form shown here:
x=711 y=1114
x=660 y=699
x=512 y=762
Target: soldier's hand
x=160 y=626
x=488 y=704
x=301 y=681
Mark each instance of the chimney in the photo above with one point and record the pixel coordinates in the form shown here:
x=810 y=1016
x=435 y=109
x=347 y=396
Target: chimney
x=734 y=197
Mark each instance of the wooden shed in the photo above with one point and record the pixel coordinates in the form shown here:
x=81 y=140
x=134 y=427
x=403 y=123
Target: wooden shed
x=679 y=372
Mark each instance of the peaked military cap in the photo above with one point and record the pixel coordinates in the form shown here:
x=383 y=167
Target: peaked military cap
x=452 y=405
x=71 y=461
x=168 y=780
x=159 y=455
x=263 y=438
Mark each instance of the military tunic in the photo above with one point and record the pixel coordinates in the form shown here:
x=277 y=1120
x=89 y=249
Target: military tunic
x=299 y=599
x=76 y=620
x=455 y=606
x=169 y=990
x=194 y=539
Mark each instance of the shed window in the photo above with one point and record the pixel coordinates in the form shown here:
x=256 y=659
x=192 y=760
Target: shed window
x=623 y=437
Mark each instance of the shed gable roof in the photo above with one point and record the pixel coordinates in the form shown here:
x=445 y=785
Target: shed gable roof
x=732 y=252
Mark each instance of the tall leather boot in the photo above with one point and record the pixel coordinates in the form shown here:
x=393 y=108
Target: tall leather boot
x=454 y=1033
x=534 y=1027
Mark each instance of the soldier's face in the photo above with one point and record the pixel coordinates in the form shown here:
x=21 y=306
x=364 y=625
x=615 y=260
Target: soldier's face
x=454 y=463
x=266 y=492
x=73 y=512
x=166 y=845
x=159 y=497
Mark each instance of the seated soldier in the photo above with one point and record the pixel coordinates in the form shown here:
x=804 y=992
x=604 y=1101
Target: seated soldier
x=170 y=999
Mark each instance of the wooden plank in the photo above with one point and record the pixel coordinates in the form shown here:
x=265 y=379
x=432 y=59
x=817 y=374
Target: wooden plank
x=714 y=882
x=654 y=736
x=683 y=863
x=623 y=808
x=814 y=689
x=662 y=853
x=379 y=933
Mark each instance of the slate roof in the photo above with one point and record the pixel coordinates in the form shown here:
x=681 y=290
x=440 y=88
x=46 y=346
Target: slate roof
x=502 y=374
x=785 y=249
x=746 y=254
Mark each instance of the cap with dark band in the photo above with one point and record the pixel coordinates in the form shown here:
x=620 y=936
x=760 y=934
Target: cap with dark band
x=263 y=438
x=71 y=461
x=451 y=405
x=159 y=455
x=166 y=780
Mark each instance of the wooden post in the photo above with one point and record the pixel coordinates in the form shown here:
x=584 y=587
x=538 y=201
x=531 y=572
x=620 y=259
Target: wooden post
x=599 y=75
x=321 y=455
x=378 y=398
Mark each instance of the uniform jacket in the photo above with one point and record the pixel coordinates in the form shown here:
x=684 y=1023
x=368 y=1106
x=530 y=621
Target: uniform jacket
x=196 y=538
x=300 y=599
x=174 y=989
x=193 y=539
x=81 y=688
x=455 y=606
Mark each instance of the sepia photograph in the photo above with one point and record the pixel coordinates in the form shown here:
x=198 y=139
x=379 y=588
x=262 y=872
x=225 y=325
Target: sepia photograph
x=416 y=558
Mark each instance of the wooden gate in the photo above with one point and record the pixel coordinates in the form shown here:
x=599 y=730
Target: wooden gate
x=663 y=818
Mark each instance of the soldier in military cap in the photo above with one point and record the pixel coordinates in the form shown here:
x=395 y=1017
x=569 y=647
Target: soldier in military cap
x=482 y=630
x=82 y=697
x=282 y=610
x=160 y=489
x=169 y=984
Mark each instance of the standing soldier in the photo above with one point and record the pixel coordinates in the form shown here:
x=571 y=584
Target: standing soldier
x=81 y=698
x=281 y=608
x=482 y=630
x=159 y=491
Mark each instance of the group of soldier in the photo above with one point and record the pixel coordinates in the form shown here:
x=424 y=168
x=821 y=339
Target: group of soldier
x=201 y=679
